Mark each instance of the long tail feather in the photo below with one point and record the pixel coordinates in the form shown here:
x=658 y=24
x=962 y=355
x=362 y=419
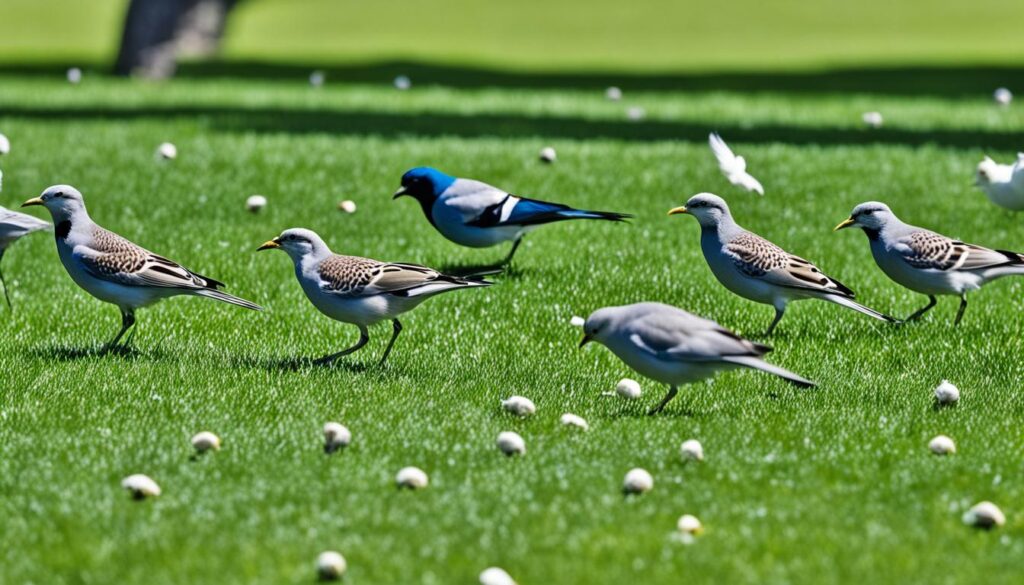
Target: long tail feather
x=757 y=363
x=225 y=297
x=849 y=303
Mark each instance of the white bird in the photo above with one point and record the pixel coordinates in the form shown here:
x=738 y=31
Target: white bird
x=361 y=291
x=927 y=262
x=758 y=270
x=675 y=347
x=115 y=270
x=13 y=226
x=1002 y=184
x=733 y=167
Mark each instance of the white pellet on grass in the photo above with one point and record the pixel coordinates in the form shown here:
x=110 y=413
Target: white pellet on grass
x=348 y=206
x=317 y=78
x=255 y=203
x=402 y=83
x=330 y=566
x=636 y=113
x=629 y=389
x=205 y=441
x=548 y=154
x=692 y=450
x=571 y=420
x=5 y=144
x=74 y=75
x=519 y=405
x=613 y=93
x=141 y=486
x=336 y=436
x=496 y=576
x=1002 y=96
x=688 y=524
x=412 y=478
x=511 y=443
x=577 y=321
x=946 y=393
x=167 y=151
x=942 y=445
x=637 y=481
x=984 y=515
x=872 y=119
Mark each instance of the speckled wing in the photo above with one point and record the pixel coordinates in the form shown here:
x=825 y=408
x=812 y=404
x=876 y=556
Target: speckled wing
x=362 y=277
x=758 y=258
x=927 y=250
x=679 y=336
x=115 y=259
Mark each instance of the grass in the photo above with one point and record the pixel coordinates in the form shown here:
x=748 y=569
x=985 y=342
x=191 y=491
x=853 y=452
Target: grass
x=833 y=485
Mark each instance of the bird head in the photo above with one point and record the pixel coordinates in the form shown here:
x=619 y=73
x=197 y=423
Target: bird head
x=871 y=216
x=709 y=209
x=63 y=201
x=597 y=327
x=297 y=242
x=424 y=184
x=988 y=169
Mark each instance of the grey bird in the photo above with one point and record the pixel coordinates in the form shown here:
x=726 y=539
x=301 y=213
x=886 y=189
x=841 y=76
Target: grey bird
x=758 y=270
x=115 y=270
x=675 y=347
x=927 y=262
x=361 y=291
x=13 y=226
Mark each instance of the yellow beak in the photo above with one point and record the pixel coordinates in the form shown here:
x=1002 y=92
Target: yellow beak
x=269 y=245
x=845 y=224
x=676 y=210
x=33 y=201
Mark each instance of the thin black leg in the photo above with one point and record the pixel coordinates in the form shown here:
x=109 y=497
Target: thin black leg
x=127 y=320
x=672 y=390
x=960 y=312
x=4 y=284
x=778 y=317
x=931 y=303
x=364 y=336
x=394 y=336
x=512 y=252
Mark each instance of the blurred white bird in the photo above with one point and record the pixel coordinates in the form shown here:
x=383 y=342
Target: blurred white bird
x=1003 y=184
x=733 y=167
x=13 y=226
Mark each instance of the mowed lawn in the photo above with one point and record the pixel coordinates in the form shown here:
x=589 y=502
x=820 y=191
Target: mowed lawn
x=831 y=485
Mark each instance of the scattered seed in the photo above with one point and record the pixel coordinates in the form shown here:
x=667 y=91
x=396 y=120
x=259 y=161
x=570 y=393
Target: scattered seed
x=984 y=515
x=692 y=450
x=519 y=405
x=167 y=151
x=330 y=566
x=613 y=93
x=942 y=445
x=348 y=206
x=402 y=83
x=255 y=203
x=511 y=443
x=548 y=155
x=317 y=78
x=141 y=486
x=946 y=393
x=1002 y=96
x=571 y=420
x=496 y=576
x=628 y=388
x=5 y=144
x=872 y=119
x=205 y=441
x=336 y=436
x=688 y=524
x=412 y=478
x=637 y=481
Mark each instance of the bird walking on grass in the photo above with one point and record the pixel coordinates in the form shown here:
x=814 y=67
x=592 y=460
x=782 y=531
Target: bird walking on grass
x=1002 y=184
x=927 y=262
x=361 y=291
x=115 y=270
x=675 y=347
x=13 y=226
x=477 y=215
x=732 y=166
x=757 y=269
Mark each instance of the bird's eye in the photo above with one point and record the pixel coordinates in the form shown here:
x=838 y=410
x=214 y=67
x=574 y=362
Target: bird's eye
x=59 y=194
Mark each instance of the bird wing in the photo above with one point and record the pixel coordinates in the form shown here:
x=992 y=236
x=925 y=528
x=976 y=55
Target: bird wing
x=727 y=161
x=750 y=183
x=758 y=258
x=1017 y=174
x=116 y=259
x=474 y=200
x=927 y=250
x=20 y=223
x=679 y=336
x=361 y=277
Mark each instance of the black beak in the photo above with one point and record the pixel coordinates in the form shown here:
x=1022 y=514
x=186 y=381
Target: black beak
x=585 y=340
x=401 y=191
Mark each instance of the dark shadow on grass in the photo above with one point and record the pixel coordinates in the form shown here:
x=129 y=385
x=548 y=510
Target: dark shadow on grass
x=295 y=364
x=65 y=353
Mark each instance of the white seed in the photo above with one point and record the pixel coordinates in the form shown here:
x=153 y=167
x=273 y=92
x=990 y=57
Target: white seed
x=636 y=113
x=412 y=478
x=141 y=486
x=872 y=119
x=511 y=443
x=255 y=203
x=984 y=515
x=1002 y=96
x=519 y=405
x=316 y=78
x=692 y=450
x=688 y=524
x=942 y=445
x=167 y=151
x=637 y=481
x=336 y=436
x=946 y=393
x=548 y=154
x=5 y=144
x=348 y=206
x=74 y=75
x=330 y=565
x=205 y=441
x=572 y=420
x=613 y=93
x=496 y=576
x=628 y=388
x=402 y=83
x=577 y=321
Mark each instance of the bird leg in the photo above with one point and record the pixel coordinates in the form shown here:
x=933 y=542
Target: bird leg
x=960 y=312
x=394 y=336
x=512 y=252
x=3 y=283
x=364 y=336
x=127 y=320
x=931 y=303
x=778 y=317
x=672 y=390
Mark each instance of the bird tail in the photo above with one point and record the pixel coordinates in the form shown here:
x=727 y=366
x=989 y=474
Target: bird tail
x=534 y=212
x=442 y=284
x=225 y=297
x=851 y=304
x=756 y=363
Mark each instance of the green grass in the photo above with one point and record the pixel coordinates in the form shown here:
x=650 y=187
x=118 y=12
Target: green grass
x=833 y=485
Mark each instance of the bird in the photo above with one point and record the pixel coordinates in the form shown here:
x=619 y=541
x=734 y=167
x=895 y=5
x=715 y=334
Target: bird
x=733 y=167
x=675 y=347
x=13 y=226
x=1003 y=184
x=361 y=291
x=927 y=262
x=116 y=270
x=475 y=214
x=758 y=270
